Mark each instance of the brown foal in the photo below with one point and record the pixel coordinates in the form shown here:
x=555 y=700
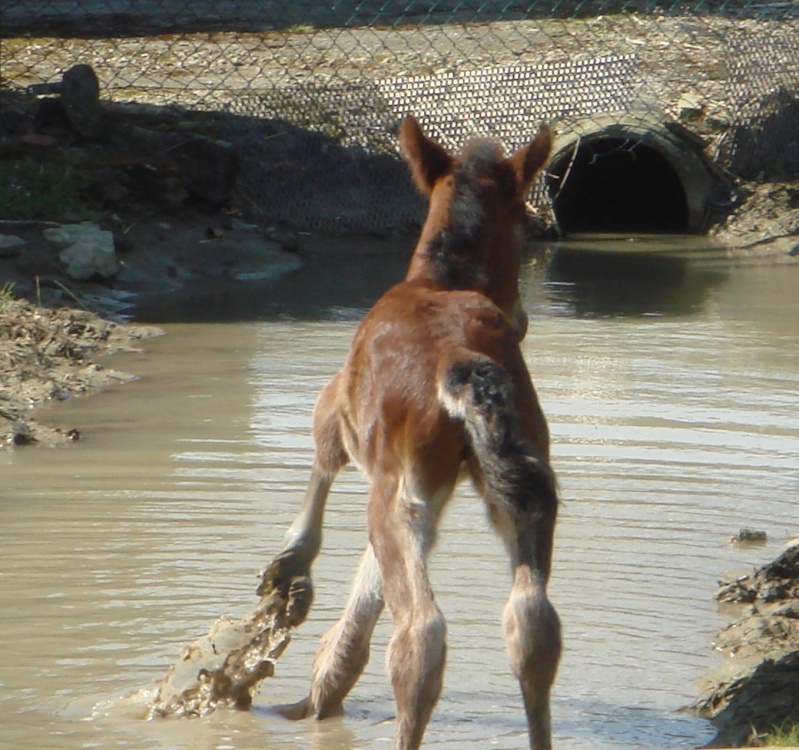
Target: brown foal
x=434 y=389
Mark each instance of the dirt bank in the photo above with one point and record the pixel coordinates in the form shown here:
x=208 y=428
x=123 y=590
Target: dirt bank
x=54 y=354
x=757 y=688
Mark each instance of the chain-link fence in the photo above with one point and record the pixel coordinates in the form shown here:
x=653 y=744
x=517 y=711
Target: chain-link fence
x=311 y=91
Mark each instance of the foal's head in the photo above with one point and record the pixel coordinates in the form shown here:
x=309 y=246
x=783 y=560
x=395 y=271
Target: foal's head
x=472 y=238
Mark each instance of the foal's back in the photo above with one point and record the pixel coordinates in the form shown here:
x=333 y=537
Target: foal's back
x=397 y=366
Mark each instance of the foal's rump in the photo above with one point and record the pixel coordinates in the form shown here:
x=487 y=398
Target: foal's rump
x=424 y=354
x=481 y=393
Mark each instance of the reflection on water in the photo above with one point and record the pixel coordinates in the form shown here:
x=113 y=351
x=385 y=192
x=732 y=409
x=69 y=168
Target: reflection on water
x=649 y=275
x=327 y=288
x=671 y=393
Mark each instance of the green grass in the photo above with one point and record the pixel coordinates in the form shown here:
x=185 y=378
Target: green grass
x=785 y=735
x=31 y=189
x=6 y=296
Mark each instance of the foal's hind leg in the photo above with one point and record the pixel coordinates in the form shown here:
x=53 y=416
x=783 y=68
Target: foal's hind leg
x=532 y=627
x=401 y=530
x=519 y=488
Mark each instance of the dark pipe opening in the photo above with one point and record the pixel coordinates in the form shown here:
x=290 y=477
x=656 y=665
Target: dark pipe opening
x=616 y=185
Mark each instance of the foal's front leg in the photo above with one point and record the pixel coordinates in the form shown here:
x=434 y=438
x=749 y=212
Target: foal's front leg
x=290 y=571
x=344 y=650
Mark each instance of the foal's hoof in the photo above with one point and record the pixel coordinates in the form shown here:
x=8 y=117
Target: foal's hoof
x=305 y=709
x=300 y=600
x=288 y=565
x=288 y=577
x=296 y=711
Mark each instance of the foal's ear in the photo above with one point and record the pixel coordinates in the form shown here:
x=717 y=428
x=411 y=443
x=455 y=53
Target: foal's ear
x=527 y=160
x=428 y=161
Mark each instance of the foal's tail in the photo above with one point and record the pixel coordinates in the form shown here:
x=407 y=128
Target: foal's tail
x=480 y=392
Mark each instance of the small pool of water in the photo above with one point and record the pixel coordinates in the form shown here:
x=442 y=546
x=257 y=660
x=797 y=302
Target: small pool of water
x=671 y=391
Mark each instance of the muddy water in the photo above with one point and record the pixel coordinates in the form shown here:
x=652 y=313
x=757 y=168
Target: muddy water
x=671 y=389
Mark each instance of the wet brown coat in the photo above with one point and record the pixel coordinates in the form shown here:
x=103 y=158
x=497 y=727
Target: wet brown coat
x=435 y=388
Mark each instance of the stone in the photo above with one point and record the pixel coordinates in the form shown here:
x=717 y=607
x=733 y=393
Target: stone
x=690 y=106
x=85 y=260
x=88 y=251
x=11 y=245
x=68 y=234
x=80 y=95
x=750 y=536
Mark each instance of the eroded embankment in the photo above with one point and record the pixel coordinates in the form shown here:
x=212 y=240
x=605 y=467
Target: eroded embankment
x=52 y=355
x=757 y=688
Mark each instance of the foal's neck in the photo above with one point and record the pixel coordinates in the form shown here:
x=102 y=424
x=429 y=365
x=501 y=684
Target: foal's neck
x=493 y=270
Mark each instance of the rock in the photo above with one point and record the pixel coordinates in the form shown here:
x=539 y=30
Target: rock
x=68 y=234
x=690 y=106
x=89 y=251
x=23 y=434
x=80 y=94
x=210 y=168
x=750 y=536
x=11 y=245
x=85 y=260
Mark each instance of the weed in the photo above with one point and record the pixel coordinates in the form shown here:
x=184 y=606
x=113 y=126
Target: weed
x=784 y=735
x=6 y=296
x=30 y=189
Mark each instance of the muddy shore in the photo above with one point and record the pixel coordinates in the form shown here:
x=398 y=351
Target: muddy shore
x=757 y=687
x=55 y=354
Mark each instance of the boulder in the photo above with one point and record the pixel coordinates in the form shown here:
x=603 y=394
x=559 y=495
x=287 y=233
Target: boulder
x=85 y=250
x=80 y=95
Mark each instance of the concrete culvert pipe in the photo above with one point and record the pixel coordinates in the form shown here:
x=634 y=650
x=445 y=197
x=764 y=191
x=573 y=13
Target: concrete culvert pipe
x=631 y=178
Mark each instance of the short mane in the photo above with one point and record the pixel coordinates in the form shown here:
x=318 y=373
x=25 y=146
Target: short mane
x=453 y=251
